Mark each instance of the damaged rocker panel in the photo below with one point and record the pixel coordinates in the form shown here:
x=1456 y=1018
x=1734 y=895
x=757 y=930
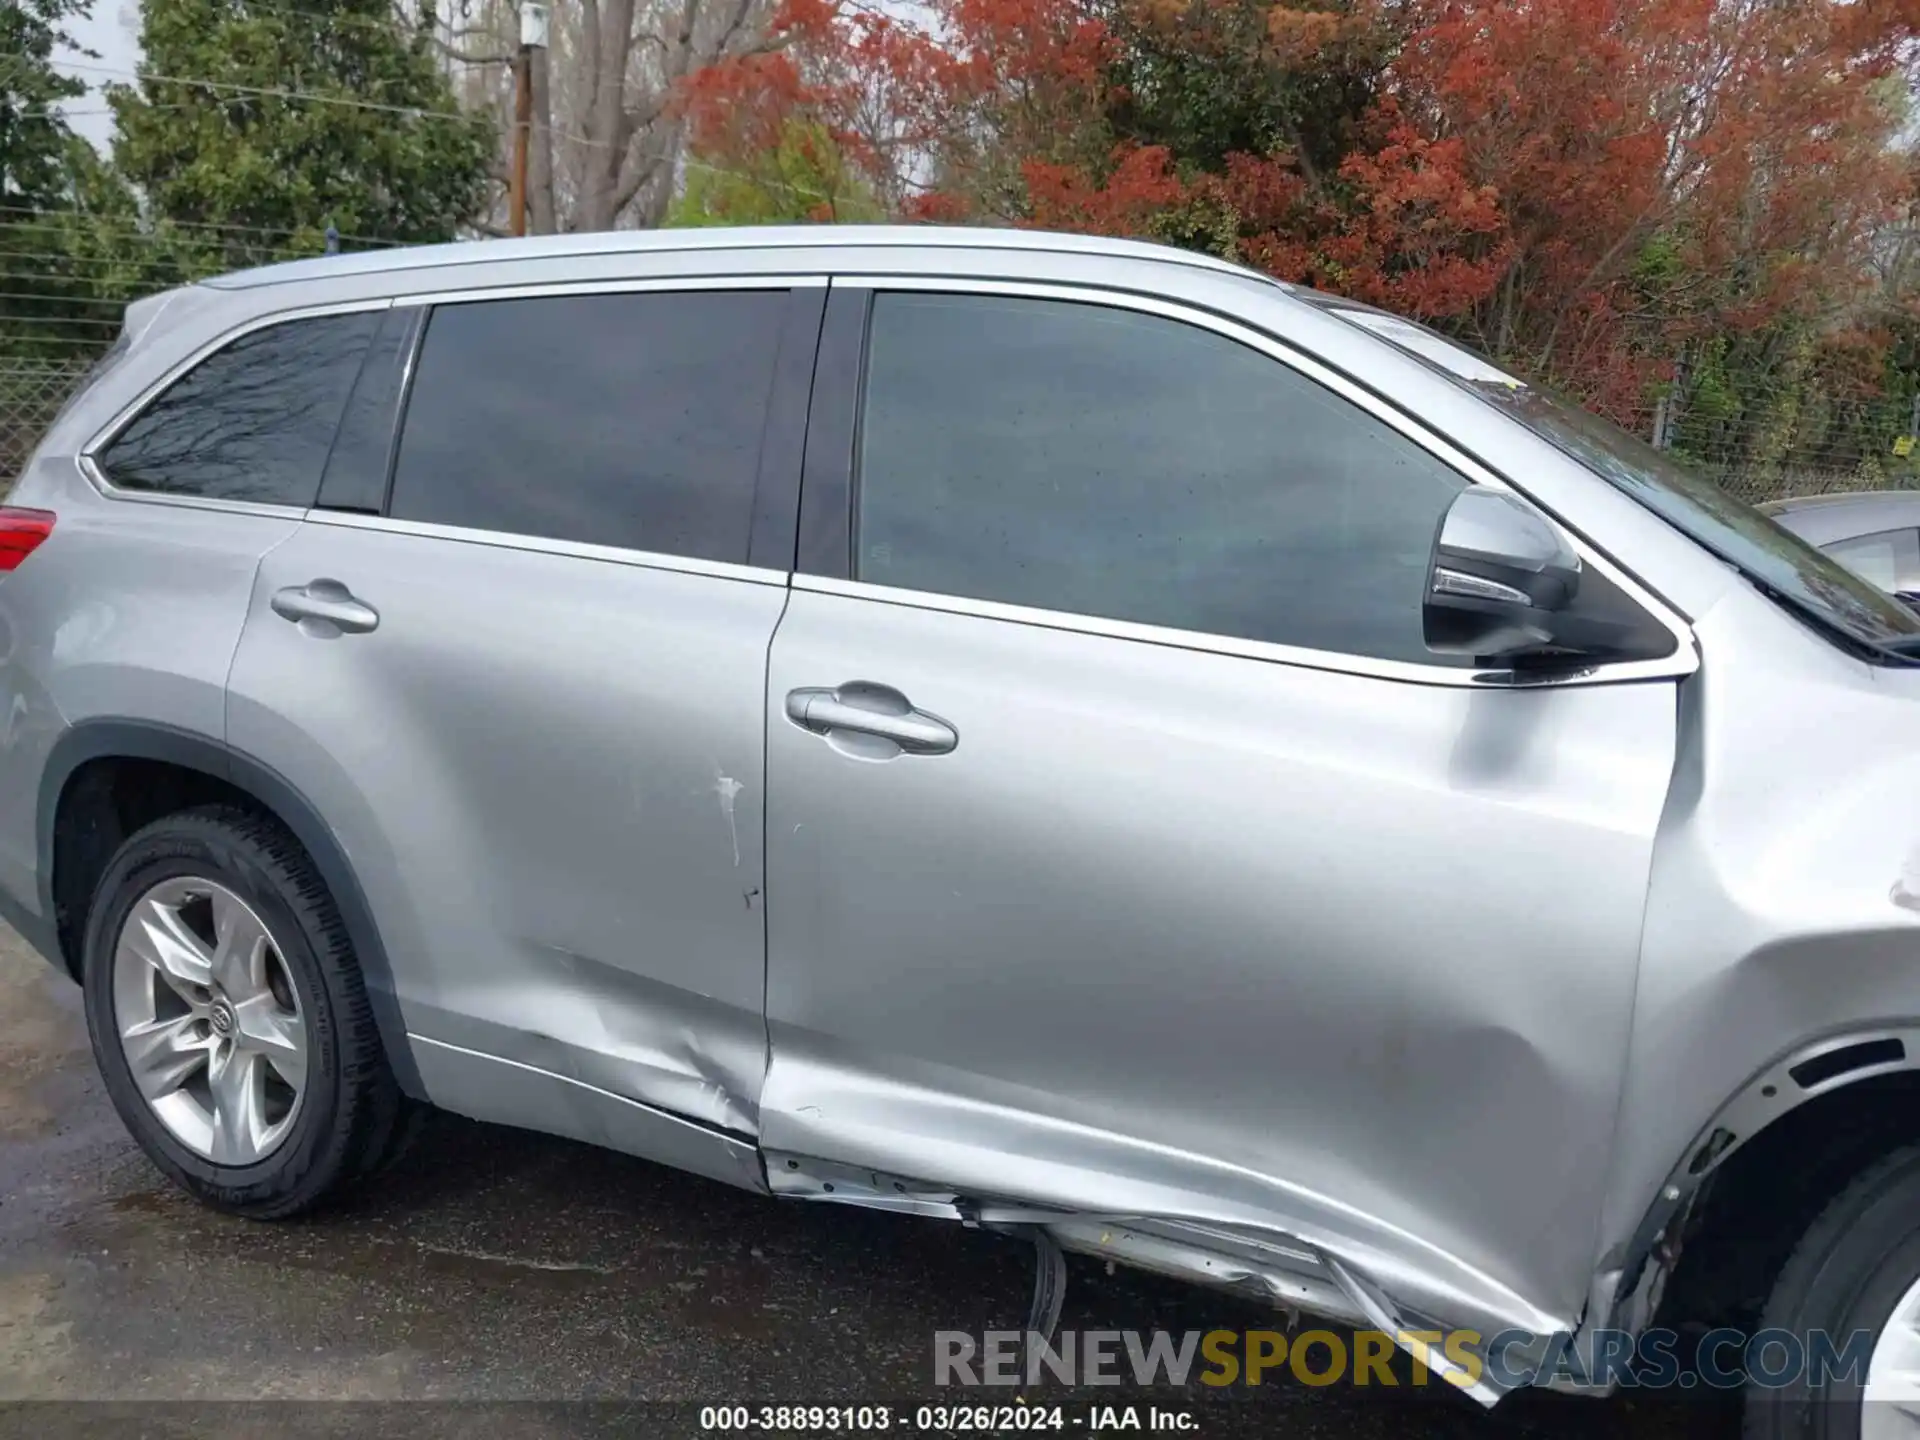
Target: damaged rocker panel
x=510 y=1092
x=1293 y=1275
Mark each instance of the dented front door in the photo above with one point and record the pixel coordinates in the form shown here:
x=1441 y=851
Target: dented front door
x=1174 y=934
x=1103 y=918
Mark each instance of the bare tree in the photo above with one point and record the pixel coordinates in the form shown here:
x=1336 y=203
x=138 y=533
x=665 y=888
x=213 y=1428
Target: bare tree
x=606 y=138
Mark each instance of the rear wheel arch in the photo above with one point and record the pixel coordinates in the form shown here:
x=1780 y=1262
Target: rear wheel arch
x=130 y=772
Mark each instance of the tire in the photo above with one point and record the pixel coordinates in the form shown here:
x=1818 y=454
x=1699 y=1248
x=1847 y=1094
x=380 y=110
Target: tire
x=346 y=1118
x=1852 y=1268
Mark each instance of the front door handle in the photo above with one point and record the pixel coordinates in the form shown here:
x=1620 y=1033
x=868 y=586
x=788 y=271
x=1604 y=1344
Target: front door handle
x=864 y=708
x=324 y=608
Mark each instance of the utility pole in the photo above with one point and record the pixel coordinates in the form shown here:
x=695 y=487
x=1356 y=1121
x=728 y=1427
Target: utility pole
x=533 y=36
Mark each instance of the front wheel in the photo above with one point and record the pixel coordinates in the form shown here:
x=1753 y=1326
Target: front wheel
x=229 y=1019
x=1850 y=1297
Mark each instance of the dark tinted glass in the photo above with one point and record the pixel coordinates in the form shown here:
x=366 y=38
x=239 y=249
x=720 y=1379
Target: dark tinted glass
x=356 y=474
x=1107 y=463
x=629 y=420
x=1788 y=569
x=253 y=421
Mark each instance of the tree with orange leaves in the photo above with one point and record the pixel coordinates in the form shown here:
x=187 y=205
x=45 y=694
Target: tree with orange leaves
x=1592 y=190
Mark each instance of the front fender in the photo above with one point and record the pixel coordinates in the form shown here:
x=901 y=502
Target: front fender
x=1781 y=952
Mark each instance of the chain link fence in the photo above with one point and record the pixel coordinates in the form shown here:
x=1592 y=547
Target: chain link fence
x=31 y=394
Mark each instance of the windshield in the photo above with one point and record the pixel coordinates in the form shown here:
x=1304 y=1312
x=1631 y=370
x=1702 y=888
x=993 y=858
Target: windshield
x=1781 y=563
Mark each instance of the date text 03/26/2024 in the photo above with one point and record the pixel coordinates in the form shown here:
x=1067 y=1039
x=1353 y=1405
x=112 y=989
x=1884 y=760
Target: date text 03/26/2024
x=948 y=1419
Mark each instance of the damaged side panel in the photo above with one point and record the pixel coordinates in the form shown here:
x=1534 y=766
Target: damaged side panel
x=554 y=802
x=1293 y=1275
x=1193 y=943
x=1781 y=934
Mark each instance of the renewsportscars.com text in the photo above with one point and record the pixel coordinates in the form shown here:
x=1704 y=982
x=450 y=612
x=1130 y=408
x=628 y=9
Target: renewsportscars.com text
x=1723 y=1359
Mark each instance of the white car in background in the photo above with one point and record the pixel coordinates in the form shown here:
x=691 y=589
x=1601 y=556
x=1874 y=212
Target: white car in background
x=1874 y=533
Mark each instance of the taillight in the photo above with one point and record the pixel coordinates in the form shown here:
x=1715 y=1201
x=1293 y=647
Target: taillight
x=21 y=532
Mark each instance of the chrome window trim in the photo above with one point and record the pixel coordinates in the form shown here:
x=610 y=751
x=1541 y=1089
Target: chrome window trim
x=88 y=456
x=547 y=289
x=572 y=549
x=89 y=452
x=1685 y=659
x=1682 y=662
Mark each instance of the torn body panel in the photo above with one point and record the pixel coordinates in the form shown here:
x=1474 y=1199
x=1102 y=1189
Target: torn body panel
x=1781 y=957
x=1173 y=937
x=1033 y=1169
x=1281 y=1268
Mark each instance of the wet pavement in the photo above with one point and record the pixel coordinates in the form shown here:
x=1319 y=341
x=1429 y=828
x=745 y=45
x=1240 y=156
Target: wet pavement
x=497 y=1278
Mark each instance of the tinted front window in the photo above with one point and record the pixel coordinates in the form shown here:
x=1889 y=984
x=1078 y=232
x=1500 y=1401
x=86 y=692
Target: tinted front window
x=253 y=421
x=1103 y=462
x=630 y=420
x=1787 y=567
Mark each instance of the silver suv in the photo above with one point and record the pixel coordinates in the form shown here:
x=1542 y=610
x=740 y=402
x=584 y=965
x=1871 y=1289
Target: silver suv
x=1059 y=734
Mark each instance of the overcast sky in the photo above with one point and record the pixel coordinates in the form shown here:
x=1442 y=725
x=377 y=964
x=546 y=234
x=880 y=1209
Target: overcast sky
x=112 y=30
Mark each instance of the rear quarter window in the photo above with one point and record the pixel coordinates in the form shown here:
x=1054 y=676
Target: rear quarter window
x=253 y=421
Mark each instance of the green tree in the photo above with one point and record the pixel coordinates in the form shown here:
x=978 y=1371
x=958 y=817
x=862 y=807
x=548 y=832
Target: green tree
x=33 y=136
x=804 y=177
x=256 y=126
x=37 y=155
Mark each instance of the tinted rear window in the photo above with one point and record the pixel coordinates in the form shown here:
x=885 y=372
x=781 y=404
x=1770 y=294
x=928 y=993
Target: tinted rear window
x=629 y=420
x=253 y=421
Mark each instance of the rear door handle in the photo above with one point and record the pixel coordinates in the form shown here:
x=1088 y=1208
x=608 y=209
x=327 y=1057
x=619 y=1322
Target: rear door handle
x=323 y=608
x=864 y=708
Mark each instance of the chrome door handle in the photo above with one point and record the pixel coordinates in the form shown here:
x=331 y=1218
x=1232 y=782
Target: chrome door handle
x=327 y=602
x=869 y=709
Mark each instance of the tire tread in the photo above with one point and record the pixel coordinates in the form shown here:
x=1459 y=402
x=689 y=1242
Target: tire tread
x=374 y=1122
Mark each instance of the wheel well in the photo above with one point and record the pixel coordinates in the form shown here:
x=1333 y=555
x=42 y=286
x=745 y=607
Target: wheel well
x=103 y=802
x=1760 y=1201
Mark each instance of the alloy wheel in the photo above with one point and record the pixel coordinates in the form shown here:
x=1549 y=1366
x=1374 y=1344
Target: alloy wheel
x=210 y=1021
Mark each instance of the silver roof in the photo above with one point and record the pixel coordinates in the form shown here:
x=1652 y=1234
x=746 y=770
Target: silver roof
x=1824 y=519
x=764 y=237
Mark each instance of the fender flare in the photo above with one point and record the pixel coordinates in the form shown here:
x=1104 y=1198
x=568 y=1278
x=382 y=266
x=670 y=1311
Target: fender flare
x=107 y=738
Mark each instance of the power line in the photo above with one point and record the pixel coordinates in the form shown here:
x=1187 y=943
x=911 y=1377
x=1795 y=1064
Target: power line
x=98 y=217
x=51 y=299
x=276 y=92
x=59 y=320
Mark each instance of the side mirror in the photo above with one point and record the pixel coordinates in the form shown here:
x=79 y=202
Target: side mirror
x=1501 y=580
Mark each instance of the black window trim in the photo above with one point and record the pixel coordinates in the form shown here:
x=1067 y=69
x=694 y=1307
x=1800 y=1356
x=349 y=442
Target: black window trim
x=414 y=318
x=829 y=494
x=771 y=543
x=90 y=452
x=776 y=500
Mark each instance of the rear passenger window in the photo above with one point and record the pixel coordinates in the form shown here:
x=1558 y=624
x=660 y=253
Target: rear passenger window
x=253 y=421
x=631 y=420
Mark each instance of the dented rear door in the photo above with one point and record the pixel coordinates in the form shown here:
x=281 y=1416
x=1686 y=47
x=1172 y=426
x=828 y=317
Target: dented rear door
x=524 y=683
